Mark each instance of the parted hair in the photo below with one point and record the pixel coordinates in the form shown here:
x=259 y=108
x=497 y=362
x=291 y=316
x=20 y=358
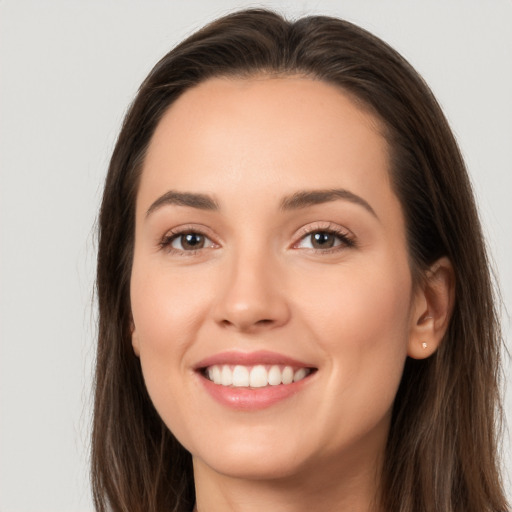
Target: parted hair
x=442 y=451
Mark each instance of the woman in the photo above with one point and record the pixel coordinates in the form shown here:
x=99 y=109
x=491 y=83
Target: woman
x=295 y=304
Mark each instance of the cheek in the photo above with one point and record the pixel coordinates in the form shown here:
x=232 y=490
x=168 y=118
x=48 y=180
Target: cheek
x=361 y=321
x=360 y=308
x=167 y=307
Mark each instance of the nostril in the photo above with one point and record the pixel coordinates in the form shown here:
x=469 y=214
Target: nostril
x=247 y=325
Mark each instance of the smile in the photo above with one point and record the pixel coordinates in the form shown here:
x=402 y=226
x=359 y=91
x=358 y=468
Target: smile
x=258 y=376
x=253 y=381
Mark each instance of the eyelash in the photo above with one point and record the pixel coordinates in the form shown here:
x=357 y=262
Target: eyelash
x=167 y=240
x=346 y=240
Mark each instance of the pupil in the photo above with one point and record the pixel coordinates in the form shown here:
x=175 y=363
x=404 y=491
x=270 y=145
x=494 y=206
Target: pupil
x=323 y=239
x=193 y=241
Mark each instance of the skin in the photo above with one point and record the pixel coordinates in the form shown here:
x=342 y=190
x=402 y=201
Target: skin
x=352 y=311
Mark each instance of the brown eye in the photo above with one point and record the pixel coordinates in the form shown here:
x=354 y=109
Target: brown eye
x=189 y=241
x=323 y=240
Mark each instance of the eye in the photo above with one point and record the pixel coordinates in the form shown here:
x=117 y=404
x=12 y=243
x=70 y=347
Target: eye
x=189 y=241
x=320 y=240
x=186 y=242
x=325 y=239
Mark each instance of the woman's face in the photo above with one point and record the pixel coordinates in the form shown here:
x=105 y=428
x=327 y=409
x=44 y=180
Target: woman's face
x=270 y=247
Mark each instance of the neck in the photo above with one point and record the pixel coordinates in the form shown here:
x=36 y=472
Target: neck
x=323 y=489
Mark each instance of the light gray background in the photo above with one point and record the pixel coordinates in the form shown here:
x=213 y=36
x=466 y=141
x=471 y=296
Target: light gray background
x=68 y=70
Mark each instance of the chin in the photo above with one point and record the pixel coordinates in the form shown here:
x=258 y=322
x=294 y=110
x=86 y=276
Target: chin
x=252 y=460
x=261 y=468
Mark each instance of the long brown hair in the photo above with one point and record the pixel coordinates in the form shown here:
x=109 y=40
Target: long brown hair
x=442 y=448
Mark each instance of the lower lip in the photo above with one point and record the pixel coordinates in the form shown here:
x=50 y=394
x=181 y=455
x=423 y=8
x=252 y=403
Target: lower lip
x=252 y=399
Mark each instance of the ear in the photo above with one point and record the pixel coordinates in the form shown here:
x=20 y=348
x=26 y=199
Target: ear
x=135 y=339
x=432 y=309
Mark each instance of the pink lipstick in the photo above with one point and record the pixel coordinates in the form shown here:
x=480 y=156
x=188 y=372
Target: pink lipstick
x=252 y=381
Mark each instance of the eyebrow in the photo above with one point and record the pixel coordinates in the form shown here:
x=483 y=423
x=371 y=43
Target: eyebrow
x=306 y=198
x=200 y=201
x=298 y=200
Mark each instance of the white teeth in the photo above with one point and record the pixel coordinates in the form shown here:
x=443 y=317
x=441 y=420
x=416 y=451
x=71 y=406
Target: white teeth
x=287 y=375
x=226 y=376
x=299 y=374
x=217 y=376
x=274 y=376
x=258 y=376
x=240 y=377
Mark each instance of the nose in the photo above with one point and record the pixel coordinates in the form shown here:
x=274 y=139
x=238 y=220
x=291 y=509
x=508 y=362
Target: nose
x=253 y=296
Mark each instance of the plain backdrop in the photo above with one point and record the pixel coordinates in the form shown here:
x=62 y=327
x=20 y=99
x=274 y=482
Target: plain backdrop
x=68 y=71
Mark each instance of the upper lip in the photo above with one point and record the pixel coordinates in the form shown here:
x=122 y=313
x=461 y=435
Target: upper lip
x=250 y=359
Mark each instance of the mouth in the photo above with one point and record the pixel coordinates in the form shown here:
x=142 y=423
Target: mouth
x=254 y=376
x=252 y=381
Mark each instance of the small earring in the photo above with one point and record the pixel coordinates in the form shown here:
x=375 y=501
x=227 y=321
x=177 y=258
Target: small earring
x=424 y=345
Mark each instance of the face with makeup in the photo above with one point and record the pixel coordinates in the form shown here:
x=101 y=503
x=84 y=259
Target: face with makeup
x=272 y=298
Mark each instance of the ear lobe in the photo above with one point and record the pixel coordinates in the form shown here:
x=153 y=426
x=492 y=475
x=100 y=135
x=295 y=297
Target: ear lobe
x=432 y=310
x=135 y=340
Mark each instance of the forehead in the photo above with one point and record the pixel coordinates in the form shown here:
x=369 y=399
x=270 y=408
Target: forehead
x=264 y=134
x=296 y=103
